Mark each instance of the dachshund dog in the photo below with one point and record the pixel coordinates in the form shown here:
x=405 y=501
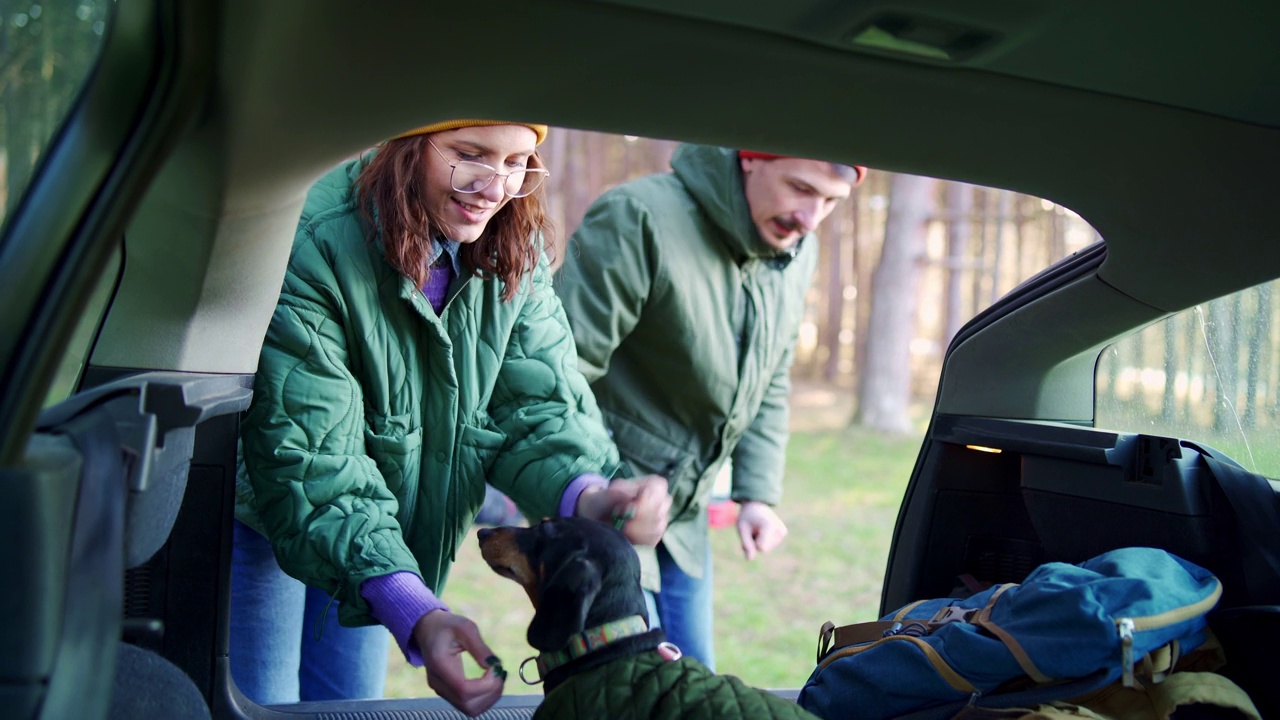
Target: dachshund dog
x=598 y=658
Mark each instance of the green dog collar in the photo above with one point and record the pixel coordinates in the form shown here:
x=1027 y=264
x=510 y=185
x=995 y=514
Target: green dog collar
x=585 y=642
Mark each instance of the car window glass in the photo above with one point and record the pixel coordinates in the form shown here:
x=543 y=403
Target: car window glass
x=67 y=377
x=1209 y=373
x=47 y=51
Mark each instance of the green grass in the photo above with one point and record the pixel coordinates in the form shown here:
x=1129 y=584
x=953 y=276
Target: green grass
x=843 y=489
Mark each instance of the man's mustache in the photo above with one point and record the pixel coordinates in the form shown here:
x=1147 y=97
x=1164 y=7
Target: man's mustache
x=790 y=224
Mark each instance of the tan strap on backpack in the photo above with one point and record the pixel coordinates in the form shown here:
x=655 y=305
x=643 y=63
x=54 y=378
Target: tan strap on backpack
x=831 y=638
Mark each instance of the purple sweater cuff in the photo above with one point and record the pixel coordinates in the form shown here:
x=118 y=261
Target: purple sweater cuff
x=569 y=500
x=399 y=601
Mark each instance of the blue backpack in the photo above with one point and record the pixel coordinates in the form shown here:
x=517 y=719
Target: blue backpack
x=1064 y=631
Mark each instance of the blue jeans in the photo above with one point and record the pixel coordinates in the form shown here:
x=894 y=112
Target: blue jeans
x=275 y=654
x=685 y=608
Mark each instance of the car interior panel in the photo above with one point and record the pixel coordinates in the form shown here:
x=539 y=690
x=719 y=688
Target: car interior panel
x=187 y=158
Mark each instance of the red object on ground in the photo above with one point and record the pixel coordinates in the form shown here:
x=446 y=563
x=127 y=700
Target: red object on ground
x=722 y=514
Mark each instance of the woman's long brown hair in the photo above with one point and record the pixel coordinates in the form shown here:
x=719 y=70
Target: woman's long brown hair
x=391 y=191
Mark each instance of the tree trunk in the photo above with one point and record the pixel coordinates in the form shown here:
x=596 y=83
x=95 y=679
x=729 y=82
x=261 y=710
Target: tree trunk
x=579 y=187
x=1223 y=348
x=997 y=259
x=1273 y=353
x=959 y=210
x=1168 y=400
x=1021 y=220
x=978 y=273
x=1197 y=343
x=832 y=242
x=1259 y=332
x=861 y=263
x=597 y=157
x=885 y=396
x=553 y=156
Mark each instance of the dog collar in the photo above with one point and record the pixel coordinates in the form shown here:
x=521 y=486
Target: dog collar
x=586 y=642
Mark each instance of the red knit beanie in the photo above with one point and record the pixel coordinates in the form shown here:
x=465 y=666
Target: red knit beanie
x=754 y=155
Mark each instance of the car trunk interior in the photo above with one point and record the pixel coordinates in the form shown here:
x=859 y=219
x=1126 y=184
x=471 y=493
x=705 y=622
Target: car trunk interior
x=992 y=499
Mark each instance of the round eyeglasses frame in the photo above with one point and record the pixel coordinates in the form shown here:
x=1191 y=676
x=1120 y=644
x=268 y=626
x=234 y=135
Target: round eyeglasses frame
x=532 y=180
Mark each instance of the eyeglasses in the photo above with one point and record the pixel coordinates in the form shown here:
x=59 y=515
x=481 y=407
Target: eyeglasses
x=472 y=177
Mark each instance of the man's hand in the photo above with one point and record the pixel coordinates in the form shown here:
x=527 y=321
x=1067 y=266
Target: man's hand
x=759 y=528
x=442 y=637
x=643 y=501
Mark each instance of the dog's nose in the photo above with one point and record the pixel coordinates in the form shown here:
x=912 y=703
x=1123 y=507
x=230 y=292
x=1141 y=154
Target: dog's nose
x=483 y=533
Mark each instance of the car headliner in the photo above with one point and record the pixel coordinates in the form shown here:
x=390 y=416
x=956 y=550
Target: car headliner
x=1156 y=122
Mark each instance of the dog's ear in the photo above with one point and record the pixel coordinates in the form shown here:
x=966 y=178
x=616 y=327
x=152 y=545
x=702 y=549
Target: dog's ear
x=564 y=599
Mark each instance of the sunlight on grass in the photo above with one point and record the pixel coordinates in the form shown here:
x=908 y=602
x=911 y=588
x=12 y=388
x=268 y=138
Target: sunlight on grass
x=843 y=489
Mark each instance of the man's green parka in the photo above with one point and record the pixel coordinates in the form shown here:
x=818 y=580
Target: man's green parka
x=686 y=323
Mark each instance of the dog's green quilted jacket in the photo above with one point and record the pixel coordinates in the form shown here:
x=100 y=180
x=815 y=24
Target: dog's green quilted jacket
x=375 y=423
x=646 y=686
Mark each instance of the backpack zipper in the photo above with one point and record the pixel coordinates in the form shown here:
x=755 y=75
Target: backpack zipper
x=1127 y=626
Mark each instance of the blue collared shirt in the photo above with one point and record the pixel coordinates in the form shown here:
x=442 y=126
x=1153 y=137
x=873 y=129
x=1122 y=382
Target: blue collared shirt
x=450 y=247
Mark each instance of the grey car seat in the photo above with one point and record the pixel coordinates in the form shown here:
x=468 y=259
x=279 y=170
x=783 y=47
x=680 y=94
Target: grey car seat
x=99 y=490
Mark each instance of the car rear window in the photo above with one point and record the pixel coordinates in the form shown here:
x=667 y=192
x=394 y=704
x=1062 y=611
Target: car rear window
x=1209 y=372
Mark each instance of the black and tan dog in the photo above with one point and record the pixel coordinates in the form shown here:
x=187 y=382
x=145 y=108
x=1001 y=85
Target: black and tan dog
x=599 y=659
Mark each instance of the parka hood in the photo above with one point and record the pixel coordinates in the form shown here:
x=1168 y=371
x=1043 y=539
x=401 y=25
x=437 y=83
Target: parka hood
x=713 y=176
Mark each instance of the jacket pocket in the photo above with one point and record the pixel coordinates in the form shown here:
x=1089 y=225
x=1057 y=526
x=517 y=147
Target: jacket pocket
x=645 y=453
x=476 y=452
x=399 y=459
x=396 y=456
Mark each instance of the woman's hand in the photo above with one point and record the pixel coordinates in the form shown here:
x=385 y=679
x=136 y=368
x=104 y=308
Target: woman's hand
x=442 y=637
x=642 y=503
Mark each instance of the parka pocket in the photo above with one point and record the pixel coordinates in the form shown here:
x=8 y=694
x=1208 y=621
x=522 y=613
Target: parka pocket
x=399 y=460
x=645 y=453
x=476 y=452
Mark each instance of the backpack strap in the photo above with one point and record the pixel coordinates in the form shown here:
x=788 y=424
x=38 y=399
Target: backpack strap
x=983 y=620
x=832 y=638
x=998 y=701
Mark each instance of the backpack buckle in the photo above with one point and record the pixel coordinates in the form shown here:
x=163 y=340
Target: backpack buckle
x=950 y=614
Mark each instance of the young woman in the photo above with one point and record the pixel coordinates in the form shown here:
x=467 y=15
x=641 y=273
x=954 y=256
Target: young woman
x=417 y=352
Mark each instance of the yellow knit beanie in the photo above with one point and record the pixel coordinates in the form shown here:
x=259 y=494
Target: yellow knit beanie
x=540 y=130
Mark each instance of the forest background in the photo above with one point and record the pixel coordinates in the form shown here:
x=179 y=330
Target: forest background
x=904 y=263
